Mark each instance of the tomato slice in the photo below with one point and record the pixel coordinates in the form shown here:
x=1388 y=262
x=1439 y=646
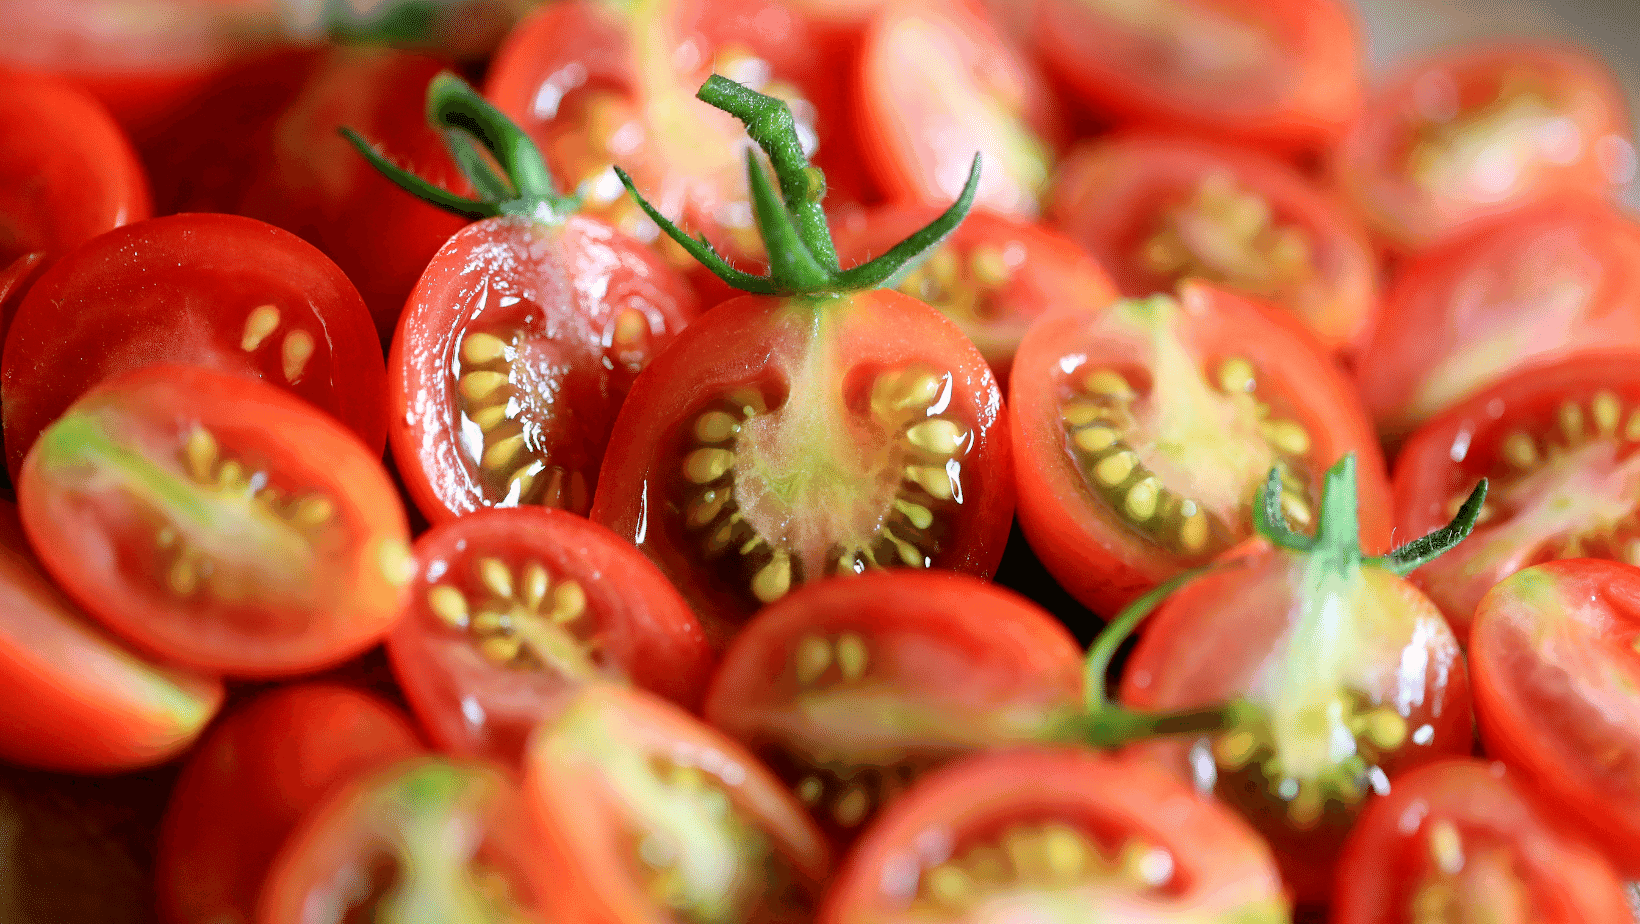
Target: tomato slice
x=249 y=783
x=1459 y=840
x=779 y=441
x=852 y=687
x=511 y=611
x=1481 y=131
x=218 y=521
x=1282 y=74
x=1556 y=680
x=938 y=84
x=71 y=697
x=650 y=815
x=1142 y=432
x=1158 y=209
x=513 y=357
x=213 y=290
x=425 y=839
x=1056 y=835
x=1556 y=444
x=1522 y=290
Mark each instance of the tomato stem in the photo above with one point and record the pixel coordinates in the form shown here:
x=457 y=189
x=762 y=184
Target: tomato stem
x=1114 y=727
x=1096 y=667
x=1408 y=558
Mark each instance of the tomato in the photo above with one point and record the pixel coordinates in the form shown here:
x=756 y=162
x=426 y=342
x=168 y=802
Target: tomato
x=993 y=276
x=1460 y=840
x=1157 y=209
x=511 y=610
x=71 y=176
x=426 y=839
x=936 y=84
x=1479 y=132
x=215 y=290
x=1556 y=674
x=15 y=281
x=1282 y=74
x=649 y=815
x=249 y=783
x=1040 y=835
x=218 y=521
x=1141 y=432
x=73 y=698
x=852 y=687
x=1556 y=442
x=1524 y=289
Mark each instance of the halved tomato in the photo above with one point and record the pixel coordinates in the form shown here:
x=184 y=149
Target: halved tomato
x=218 y=521
x=15 y=281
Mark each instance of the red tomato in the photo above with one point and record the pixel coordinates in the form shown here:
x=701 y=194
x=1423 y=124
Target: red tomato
x=515 y=352
x=781 y=440
x=650 y=815
x=1142 y=432
x=71 y=697
x=1525 y=289
x=511 y=611
x=852 y=687
x=254 y=777
x=1283 y=74
x=1156 y=209
x=1556 y=444
x=1556 y=680
x=218 y=521
x=70 y=176
x=428 y=839
x=1458 y=840
x=993 y=276
x=213 y=290
x=1056 y=835
x=938 y=84
x=1479 y=132
x=15 y=281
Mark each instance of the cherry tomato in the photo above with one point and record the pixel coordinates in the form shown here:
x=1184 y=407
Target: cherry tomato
x=511 y=610
x=1157 y=209
x=1458 y=840
x=1039 y=835
x=15 y=281
x=650 y=815
x=1524 y=289
x=852 y=687
x=254 y=777
x=1479 y=132
x=1282 y=74
x=1556 y=675
x=216 y=290
x=426 y=839
x=993 y=276
x=218 y=521
x=1557 y=445
x=938 y=84
x=73 y=698
x=1141 y=432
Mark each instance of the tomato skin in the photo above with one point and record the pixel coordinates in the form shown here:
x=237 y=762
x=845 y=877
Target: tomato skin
x=251 y=781
x=15 y=281
x=1564 y=880
x=578 y=281
x=645 y=633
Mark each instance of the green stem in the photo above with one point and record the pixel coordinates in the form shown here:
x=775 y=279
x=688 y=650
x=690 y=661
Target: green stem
x=1104 y=648
x=1114 y=726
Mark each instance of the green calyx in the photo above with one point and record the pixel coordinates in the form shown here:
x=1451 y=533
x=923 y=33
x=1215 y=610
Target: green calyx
x=802 y=257
x=476 y=133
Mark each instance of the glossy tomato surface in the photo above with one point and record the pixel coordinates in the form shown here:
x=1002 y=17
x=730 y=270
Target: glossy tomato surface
x=254 y=777
x=1461 y=840
x=219 y=521
x=212 y=290
x=1556 y=674
x=1049 y=835
x=779 y=441
x=514 y=355
x=15 y=281
x=1141 y=433
x=511 y=611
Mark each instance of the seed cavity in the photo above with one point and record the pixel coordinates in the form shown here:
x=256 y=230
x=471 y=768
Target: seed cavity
x=1052 y=855
x=966 y=287
x=261 y=322
x=518 y=616
x=1228 y=234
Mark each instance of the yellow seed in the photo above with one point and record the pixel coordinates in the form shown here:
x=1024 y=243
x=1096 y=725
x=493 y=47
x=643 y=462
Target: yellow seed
x=1141 y=862
x=773 y=580
x=705 y=507
x=1108 y=383
x=987 y=865
x=1096 y=438
x=630 y=327
x=490 y=417
x=262 y=321
x=950 y=886
x=1607 y=411
x=1234 y=749
x=1631 y=430
x=851 y=656
x=476 y=386
x=812 y=658
x=495 y=577
x=1519 y=450
x=1289 y=436
x=1306 y=808
x=501 y=649
x=850 y=809
x=1066 y=851
x=810 y=790
x=503 y=453
x=898 y=391
x=910 y=555
x=1570 y=417
x=989 y=266
x=1446 y=847
x=1193 y=532
x=1114 y=469
x=182 y=577
x=200 y=453
x=536 y=582
x=313 y=510
x=1142 y=497
x=1236 y=375
x=569 y=601
x=915 y=514
x=449 y=605
x=938 y=436
x=936 y=481
x=1082 y=413
x=715 y=426
x=394 y=562
x=298 y=349
x=482 y=348
x=1165 y=253
x=490 y=622
x=704 y=466
x=231 y=474
x=1386 y=729
x=1024 y=850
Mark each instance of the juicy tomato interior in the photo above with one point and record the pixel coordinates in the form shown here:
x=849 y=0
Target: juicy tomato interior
x=218 y=521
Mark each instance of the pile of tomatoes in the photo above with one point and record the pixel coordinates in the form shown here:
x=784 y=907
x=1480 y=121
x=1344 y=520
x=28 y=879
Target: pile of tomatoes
x=317 y=350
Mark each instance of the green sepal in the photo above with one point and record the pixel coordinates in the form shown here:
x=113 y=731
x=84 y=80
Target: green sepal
x=1408 y=558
